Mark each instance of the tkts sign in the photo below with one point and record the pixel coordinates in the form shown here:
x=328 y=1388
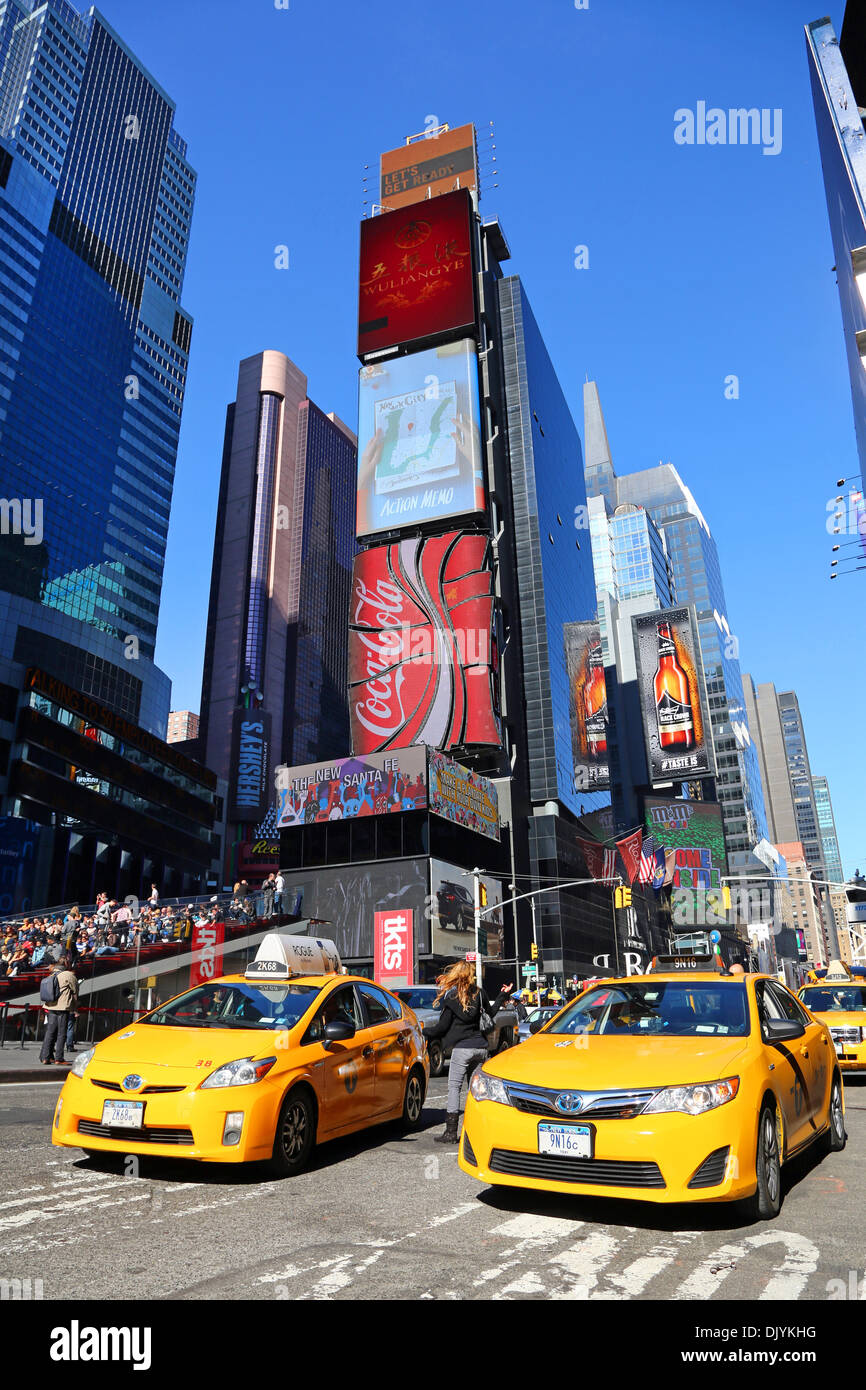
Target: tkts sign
x=393 y=948
x=423 y=660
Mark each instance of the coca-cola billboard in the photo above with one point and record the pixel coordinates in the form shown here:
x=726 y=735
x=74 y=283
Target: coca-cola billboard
x=423 y=660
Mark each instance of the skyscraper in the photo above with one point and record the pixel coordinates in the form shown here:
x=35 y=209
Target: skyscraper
x=765 y=727
x=96 y=199
x=827 y=830
x=696 y=580
x=838 y=77
x=275 y=673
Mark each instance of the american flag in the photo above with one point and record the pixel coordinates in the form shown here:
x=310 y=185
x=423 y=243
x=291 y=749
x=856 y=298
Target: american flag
x=646 y=870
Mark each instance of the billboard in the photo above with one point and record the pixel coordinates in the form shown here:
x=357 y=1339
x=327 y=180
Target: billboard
x=428 y=167
x=416 y=275
x=423 y=660
x=343 y=901
x=587 y=701
x=463 y=796
x=670 y=683
x=374 y=785
x=692 y=836
x=207 y=937
x=419 y=439
x=393 y=956
x=250 y=793
x=452 y=912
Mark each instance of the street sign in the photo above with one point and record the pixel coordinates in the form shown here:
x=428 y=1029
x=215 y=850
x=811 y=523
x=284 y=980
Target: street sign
x=530 y=968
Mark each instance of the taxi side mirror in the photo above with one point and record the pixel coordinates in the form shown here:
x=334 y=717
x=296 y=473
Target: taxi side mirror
x=783 y=1030
x=338 y=1030
x=536 y=1025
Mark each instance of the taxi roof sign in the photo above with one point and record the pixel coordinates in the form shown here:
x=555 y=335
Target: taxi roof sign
x=280 y=957
x=694 y=960
x=837 y=973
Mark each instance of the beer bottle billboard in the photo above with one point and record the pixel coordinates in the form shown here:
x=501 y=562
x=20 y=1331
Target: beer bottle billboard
x=670 y=679
x=587 y=705
x=676 y=727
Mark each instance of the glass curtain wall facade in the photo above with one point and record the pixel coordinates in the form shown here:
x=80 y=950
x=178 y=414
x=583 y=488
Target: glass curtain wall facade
x=827 y=829
x=839 y=112
x=96 y=199
x=555 y=586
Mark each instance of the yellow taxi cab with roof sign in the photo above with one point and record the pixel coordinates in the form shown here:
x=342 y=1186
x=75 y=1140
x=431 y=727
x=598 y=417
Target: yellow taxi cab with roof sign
x=839 y=1001
x=254 y=1067
x=687 y=1084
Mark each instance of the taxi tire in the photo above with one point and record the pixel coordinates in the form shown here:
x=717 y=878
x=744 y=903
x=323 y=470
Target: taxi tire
x=437 y=1058
x=298 y=1109
x=413 y=1100
x=767 y=1200
x=834 y=1139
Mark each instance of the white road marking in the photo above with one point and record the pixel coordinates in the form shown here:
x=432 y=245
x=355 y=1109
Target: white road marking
x=583 y=1263
x=635 y=1277
x=801 y=1260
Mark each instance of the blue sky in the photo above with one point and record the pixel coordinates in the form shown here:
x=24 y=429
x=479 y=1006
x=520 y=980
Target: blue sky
x=703 y=262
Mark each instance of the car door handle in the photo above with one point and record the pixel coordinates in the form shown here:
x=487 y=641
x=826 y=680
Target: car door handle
x=804 y=1052
x=368 y=1052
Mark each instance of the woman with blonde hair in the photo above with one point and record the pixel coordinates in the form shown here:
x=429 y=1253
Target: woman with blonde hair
x=459 y=1025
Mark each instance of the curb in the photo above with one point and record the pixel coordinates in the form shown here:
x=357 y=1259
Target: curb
x=34 y=1074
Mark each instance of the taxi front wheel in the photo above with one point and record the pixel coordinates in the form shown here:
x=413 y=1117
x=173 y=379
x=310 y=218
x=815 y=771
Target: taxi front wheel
x=767 y=1201
x=833 y=1141
x=295 y=1135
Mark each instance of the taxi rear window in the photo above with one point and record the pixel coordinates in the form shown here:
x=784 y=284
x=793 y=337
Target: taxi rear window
x=835 y=999
x=268 y=1005
x=676 y=1009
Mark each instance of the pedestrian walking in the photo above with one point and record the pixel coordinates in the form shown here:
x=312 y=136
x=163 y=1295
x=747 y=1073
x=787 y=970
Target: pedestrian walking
x=59 y=995
x=459 y=1026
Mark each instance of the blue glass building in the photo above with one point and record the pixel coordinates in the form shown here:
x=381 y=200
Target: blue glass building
x=838 y=76
x=695 y=578
x=96 y=198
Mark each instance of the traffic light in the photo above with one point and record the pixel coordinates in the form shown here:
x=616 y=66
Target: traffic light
x=622 y=897
x=534 y=950
x=726 y=897
x=482 y=894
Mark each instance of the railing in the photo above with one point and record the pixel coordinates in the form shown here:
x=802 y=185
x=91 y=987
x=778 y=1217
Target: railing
x=33 y=1017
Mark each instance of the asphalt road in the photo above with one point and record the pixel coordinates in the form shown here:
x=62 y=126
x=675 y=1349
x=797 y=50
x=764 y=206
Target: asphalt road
x=381 y=1217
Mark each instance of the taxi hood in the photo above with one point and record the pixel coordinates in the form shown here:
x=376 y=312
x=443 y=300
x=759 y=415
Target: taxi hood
x=157 y=1045
x=555 y=1060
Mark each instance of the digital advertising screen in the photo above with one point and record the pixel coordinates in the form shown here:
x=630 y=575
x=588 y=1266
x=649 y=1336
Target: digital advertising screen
x=587 y=701
x=428 y=167
x=670 y=682
x=452 y=912
x=375 y=785
x=423 y=659
x=463 y=796
x=416 y=277
x=692 y=836
x=419 y=439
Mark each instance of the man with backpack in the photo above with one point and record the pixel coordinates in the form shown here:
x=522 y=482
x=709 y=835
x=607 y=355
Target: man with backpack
x=58 y=993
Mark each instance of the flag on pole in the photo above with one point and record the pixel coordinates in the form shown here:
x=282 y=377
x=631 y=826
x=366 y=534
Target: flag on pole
x=629 y=849
x=646 y=869
x=594 y=854
x=609 y=864
x=659 y=868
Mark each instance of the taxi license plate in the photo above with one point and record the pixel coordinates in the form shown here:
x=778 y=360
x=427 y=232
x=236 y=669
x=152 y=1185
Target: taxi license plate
x=573 y=1140
x=123 y=1114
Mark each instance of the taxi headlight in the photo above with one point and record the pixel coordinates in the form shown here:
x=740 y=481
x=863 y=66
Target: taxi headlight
x=694 y=1100
x=80 y=1063
x=244 y=1072
x=483 y=1086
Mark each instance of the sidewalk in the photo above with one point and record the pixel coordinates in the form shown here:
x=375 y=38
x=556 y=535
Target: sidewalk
x=19 y=1063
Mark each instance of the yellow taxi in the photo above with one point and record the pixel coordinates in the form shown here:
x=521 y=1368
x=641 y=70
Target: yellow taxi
x=249 y=1068
x=839 y=1000
x=686 y=1084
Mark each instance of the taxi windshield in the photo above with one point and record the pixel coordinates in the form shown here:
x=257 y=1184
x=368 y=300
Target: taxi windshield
x=835 y=999
x=266 y=1006
x=699 y=1008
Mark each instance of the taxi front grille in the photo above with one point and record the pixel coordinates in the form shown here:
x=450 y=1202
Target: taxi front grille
x=849 y=1037
x=146 y=1135
x=605 y=1172
x=145 y=1090
x=601 y=1105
